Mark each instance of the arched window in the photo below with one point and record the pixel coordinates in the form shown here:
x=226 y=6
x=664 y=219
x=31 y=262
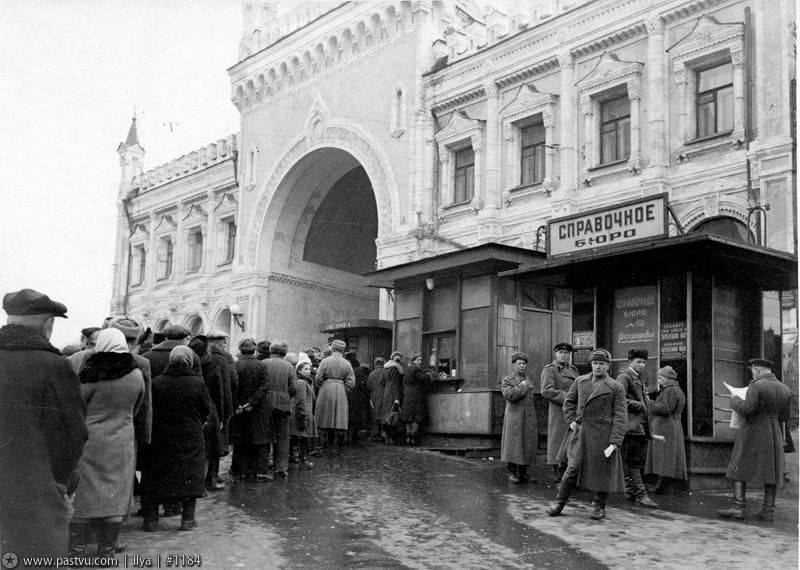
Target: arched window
x=726 y=227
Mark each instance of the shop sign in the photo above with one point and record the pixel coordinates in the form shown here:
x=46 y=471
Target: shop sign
x=673 y=341
x=583 y=339
x=635 y=320
x=334 y=326
x=631 y=221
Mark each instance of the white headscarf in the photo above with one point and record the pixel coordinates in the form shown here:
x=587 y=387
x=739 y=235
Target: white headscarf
x=111 y=340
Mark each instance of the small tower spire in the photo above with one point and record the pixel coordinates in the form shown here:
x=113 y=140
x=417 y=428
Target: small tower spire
x=133 y=133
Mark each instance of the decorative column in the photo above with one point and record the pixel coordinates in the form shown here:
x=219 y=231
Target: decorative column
x=209 y=244
x=179 y=248
x=479 y=147
x=587 y=110
x=152 y=259
x=428 y=188
x=550 y=151
x=635 y=96
x=737 y=60
x=681 y=78
x=493 y=188
x=657 y=99
x=567 y=191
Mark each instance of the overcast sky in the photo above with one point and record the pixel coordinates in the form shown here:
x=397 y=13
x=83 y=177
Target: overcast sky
x=71 y=72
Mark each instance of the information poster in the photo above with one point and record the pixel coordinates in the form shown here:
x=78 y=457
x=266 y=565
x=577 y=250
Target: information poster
x=635 y=320
x=673 y=340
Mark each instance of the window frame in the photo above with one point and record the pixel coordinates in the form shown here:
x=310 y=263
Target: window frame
x=619 y=154
x=467 y=193
x=538 y=154
x=714 y=91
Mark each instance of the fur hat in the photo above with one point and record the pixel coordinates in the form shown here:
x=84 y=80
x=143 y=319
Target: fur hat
x=519 y=356
x=601 y=355
x=668 y=372
x=278 y=347
x=176 y=332
x=637 y=353
x=247 y=346
x=129 y=327
x=338 y=345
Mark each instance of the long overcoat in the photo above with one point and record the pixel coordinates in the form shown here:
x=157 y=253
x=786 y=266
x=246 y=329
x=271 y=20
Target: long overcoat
x=667 y=457
x=213 y=377
x=175 y=459
x=305 y=393
x=229 y=383
x=415 y=394
x=392 y=387
x=254 y=426
x=520 y=429
x=758 y=451
x=159 y=355
x=108 y=462
x=43 y=430
x=556 y=380
x=334 y=376
x=375 y=385
x=358 y=408
x=600 y=413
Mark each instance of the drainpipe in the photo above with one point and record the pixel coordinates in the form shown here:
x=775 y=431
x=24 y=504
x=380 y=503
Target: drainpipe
x=125 y=202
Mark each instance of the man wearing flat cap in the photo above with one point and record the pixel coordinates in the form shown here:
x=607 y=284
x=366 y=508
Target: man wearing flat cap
x=335 y=376
x=158 y=356
x=556 y=379
x=596 y=411
x=758 y=451
x=637 y=432
x=42 y=429
x=520 y=437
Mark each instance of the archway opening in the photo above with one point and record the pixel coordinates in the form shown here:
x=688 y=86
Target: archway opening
x=344 y=228
x=195 y=324
x=223 y=322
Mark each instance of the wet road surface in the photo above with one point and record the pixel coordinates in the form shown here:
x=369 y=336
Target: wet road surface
x=386 y=507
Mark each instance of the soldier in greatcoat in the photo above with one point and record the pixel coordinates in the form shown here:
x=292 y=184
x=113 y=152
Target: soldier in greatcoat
x=666 y=456
x=637 y=432
x=758 y=451
x=596 y=412
x=520 y=431
x=557 y=377
x=334 y=377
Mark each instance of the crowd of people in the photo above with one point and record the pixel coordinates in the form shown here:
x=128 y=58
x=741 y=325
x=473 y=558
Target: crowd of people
x=75 y=430
x=605 y=433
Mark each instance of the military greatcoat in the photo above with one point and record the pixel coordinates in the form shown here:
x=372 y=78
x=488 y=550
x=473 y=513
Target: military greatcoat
x=556 y=381
x=520 y=430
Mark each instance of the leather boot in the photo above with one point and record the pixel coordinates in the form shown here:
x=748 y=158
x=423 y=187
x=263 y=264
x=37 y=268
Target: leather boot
x=565 y=489
x=107 y=538
x=736 y=512
x=187 y=514
x=77 y=538
x=768 y=510
x=599 y=512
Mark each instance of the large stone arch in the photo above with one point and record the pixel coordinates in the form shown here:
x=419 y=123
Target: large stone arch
x=320 y=134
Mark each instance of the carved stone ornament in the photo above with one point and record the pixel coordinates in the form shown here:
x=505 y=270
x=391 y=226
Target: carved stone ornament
x=528 y=101
x=165 y=222
x=460 y=127
x=708 y=36
x=609 y=71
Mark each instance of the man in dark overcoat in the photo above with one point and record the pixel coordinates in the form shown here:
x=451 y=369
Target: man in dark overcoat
x=758 y=451
x=556 y=380
x=282 y=388
x=251 y=426
x=596 y=412
x=637 y=431
x=416 y=383
x=217 y=344
x=42 y=429
x=158 y=356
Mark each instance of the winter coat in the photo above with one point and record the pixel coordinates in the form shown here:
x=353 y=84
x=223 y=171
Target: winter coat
x=282 y=384
x=78 y=360
x=635 y=391
x=556 y=380
x=108 y=462
x=305 y=394
x=214 y=379
x=253 y=426
x=174 y=466
x=43 y=430
x=334 y=376
x=758 y=451
x=375 y=385
x=229 y=384
x=143 y=422
x=159 y=355
x=415 y=394
x=392 y=387
x=667 y=457
x=601 y=414
x=520 y=430
x=358 y=412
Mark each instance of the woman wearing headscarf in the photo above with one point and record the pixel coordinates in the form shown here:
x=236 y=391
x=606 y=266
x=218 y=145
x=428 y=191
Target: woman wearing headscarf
x=175 y=462
x=666 y=456
x=113 y=389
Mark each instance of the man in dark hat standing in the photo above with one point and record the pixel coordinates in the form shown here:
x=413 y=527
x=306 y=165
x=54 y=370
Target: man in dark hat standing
x=88 y=338
x=334 y=377
x=758 y=451
x=595 y=410
x=42 y=429
x=158 y=356
x=557 y=377
x=637 y=432
x=218 y=344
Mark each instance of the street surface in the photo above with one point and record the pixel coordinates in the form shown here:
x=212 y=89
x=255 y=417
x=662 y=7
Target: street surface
x=386 y=507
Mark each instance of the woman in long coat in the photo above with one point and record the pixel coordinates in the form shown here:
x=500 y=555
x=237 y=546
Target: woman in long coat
x=392 y=392
x=415 y=390
x=358 y=412
x=175 y=459
x=113 y=389
x=666 y=456
x=520 y=430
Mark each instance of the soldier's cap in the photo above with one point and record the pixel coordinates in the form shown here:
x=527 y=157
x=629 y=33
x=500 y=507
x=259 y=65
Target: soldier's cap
x=601 y=355
x=519 y=356
x=217 y=334
x=760 y=362
x=637 y=353
x=89 y=331
x=563 y=346
x=176 y=332
x=30 y=302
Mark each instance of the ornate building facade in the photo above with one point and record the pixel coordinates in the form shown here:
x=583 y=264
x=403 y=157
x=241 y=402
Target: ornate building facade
x=397 y=160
